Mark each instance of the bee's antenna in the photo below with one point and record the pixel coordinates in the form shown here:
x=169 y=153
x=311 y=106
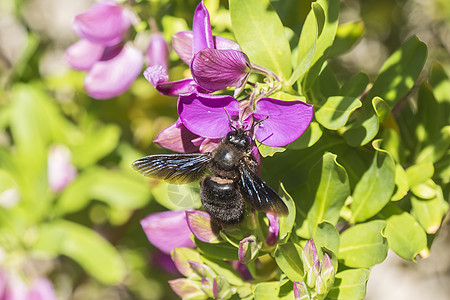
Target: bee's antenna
x=256 y=123
x=229 y=119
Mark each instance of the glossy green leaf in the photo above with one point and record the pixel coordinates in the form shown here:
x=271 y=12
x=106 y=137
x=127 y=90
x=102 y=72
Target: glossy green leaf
x=115 y=188
x=401 y=183
x=405 y=236
x=355 y=86
x=426 y=190
x=375 y=188
x=306 y=44
x=429 y=212
x=327 y=236
x=88 y=248
x=311 y=135
x=347 y=36
x=328 y=25
x=269 y=151
x=363 y=245
x=329 y=180
x=350 y=284
x=400 y=71
x=382 y=109
x=260 y=34
x=419 y=173
x=334 y=112
x=288 y=258
x=365 y=128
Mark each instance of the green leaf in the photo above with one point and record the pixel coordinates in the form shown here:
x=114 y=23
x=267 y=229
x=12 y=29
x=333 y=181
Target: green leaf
x=363 y=245
x=286 y=223
x=225 y=269
x=426 y=190
x=327 y=236
x=89 y=249
x=288 y=258
x=419 y=173
x=328 y=25
x=350 y=284
x=399 y=72
x=329 y=180
x=347 y=36
x=311 y=135
x=334 y=113
x=437 y=148
x=429 y=115
x=269 y=151
x=440 y=82
x=429 y=213
x=405 y=236
x=177 y=196
x=355 y=86
x=266 y=290
x=105 y=139
x=115 y=188
x=220 y=251
x=375 y=188
x=401 y=183
x=306 y=45
x=260 y=34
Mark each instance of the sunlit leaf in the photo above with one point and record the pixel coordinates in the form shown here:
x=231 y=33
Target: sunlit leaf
x=363 y=245
x=334 y=112
x=347 y=36
x=288 y=258
x=350 y=284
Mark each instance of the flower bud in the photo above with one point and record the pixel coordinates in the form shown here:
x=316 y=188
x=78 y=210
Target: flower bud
x=309 y=254
x=248 y=250
x=221 y=288
x=312 y=274
x=273 y=230
x=157 y=53
x=301 y=291
x=327 y=272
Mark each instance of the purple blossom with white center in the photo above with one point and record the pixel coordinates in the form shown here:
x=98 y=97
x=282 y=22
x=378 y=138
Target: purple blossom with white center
x=282 y=122
x=112 y=64
x=167 y=230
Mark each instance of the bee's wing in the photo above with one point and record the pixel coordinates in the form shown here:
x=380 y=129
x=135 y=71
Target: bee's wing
x=173 y=168
x=259 y=194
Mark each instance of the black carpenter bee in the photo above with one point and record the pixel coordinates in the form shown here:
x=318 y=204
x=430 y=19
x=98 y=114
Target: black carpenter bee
x=232 y=181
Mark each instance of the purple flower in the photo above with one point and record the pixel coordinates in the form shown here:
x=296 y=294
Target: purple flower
x=157 y=53
x=273 y=229
x=12 y=287
x=112 y=64
x=167 y=230
x=60 y=171
x=282 y=122
x=188 y=43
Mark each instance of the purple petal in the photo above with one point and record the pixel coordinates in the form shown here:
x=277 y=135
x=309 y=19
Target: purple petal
x=224 y=44
x=157 y=52
x=205 y=115
x=165 y=262
x=215 y=69
x=60 y=171
x=242 y=270
x=41 y=289
x=156 y=75
x=202 y=226
x=182 y=44
x=286 y=121
x=83 y=54
x=177 y=138
x=167 y=230
x=208 y=145
x=201 y=29
x=104 y=23
x=273 y=230
x=112 y=77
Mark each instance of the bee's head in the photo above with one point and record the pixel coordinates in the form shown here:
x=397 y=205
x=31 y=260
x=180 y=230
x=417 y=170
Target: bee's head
x=239 y=138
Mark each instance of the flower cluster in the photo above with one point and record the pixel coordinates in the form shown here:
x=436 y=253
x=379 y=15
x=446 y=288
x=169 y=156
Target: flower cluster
x=217 y=63
x=112 y=61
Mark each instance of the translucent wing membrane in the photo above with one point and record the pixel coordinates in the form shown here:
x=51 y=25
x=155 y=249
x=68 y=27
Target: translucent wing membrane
x=173 y=168
x=259 y=194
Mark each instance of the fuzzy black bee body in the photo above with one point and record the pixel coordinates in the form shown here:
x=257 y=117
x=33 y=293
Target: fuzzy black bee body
x=232 y=182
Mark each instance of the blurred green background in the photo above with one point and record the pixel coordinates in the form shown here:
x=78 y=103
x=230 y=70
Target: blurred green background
x=86 y=238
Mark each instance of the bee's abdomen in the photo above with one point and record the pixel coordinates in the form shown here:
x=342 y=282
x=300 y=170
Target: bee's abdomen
x=222 y=199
